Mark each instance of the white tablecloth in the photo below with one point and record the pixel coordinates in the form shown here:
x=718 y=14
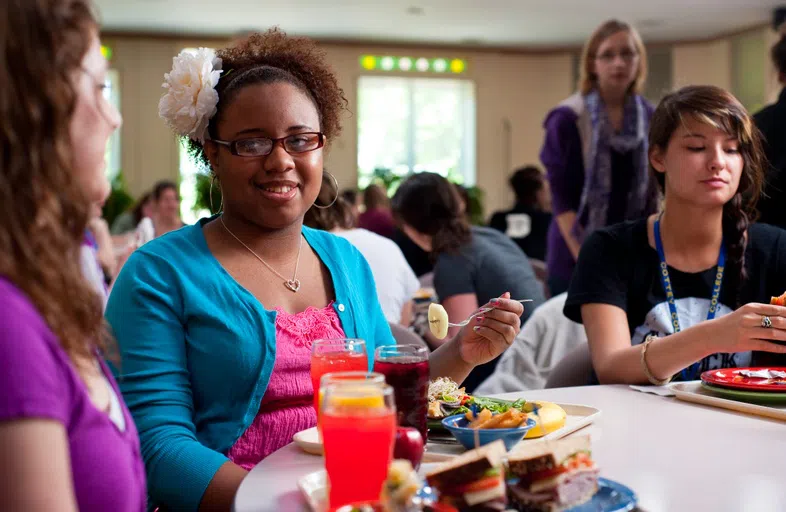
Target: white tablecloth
x=675 y=455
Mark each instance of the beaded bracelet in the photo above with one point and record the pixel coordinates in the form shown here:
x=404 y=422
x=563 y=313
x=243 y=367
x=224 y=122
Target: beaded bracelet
x=650 y=377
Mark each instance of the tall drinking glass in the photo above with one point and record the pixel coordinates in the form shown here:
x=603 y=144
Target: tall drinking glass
x=358 y=433
x=336 y=355
x=352 y=378
x=406 y=369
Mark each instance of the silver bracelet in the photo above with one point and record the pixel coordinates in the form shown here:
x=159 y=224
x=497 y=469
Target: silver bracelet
x=650 y=377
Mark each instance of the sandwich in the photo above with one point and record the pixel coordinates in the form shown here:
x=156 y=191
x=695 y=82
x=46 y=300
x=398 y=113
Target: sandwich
x=401 y=486
x=551 y=476
x=472 y=482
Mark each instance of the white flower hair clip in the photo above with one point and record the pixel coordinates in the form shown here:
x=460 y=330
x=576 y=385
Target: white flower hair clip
x=191 y=98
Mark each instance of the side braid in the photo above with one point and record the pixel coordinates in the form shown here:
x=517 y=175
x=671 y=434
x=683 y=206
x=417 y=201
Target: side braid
x=736 y=220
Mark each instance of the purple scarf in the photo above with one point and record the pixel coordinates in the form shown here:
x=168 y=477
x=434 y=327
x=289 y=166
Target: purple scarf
x=642 y=196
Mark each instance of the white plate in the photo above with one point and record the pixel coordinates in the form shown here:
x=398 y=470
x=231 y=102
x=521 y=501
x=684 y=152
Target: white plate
x=578 y=417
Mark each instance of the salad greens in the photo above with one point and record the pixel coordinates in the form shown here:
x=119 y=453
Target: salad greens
x=497 y=406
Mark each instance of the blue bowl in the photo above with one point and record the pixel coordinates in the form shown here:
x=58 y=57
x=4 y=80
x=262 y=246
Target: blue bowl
x=457 y=425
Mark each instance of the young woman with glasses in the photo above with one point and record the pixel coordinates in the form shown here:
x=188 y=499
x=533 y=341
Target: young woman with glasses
x=215 y=321
x=595 y=150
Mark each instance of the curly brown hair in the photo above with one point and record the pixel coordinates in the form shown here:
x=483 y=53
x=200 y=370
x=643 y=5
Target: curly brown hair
x=271 y=57
x=44 y=211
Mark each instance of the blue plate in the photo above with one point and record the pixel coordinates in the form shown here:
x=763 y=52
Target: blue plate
x=457 y=425
x=611 y=497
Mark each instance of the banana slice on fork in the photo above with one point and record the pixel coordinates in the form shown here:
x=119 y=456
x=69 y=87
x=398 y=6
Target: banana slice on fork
x=438 y=320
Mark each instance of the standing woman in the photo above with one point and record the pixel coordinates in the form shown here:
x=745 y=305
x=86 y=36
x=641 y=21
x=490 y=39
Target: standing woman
x=595 y=151
x=67 y=441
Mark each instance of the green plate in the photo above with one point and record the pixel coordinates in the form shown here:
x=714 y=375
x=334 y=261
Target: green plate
x=759 y=397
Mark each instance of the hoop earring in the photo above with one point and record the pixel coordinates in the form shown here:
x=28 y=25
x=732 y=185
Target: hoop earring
x=210 y=196
x=335 y=182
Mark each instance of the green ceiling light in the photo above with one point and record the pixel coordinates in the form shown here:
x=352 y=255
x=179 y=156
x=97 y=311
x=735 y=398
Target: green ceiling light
x=106 y=52
x=412 y=64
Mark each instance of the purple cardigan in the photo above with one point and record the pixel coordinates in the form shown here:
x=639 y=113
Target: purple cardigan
x=563 y=157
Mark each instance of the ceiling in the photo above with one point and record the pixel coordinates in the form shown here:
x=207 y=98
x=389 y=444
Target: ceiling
x=500 y=23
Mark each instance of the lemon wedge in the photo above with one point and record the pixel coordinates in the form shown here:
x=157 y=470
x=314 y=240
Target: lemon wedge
x=550 y=417
x=357 y=398
x=438 y=320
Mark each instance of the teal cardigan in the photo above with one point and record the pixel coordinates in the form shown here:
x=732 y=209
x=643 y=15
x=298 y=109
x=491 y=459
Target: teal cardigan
x=197 y=350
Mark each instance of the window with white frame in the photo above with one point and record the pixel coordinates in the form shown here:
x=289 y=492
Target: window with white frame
x=189 y=168
x=418 y=124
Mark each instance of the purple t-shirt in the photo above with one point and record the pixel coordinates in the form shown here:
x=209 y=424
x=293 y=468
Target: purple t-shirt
x=38 y=380
x=378 y=221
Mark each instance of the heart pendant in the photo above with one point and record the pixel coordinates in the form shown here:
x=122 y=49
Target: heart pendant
x=293 y=285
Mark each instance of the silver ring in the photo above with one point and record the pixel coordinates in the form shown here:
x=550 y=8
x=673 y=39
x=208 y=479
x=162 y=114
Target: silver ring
x=766 y=322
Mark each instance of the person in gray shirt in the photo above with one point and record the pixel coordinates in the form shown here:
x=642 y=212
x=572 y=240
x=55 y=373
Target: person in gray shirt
x=472 y=265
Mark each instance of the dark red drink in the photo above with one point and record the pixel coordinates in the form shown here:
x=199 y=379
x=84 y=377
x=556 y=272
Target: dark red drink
x=407 y=371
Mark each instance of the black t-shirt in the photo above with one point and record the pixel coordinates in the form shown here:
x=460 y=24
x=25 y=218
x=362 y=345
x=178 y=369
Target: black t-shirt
x=526 y=226
x=622 y=172
x=488 y=266
x=617 y=266
x=417 y=258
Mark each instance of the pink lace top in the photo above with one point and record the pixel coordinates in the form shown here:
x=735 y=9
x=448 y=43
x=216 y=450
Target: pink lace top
x=288 y=404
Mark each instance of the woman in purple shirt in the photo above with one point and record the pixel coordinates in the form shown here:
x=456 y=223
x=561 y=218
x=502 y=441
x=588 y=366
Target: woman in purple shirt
x=67 y=441
x=377 y=218
x=595 y=152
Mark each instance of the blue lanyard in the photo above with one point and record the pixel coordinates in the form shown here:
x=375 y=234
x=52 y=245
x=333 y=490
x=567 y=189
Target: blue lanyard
x=690 y=372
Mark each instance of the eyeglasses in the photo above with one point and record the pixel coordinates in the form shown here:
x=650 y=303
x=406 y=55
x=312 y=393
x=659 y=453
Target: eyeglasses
x=263 y=146
x=627 y=56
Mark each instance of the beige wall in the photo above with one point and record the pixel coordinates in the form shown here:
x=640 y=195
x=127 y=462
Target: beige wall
x=149 y=151
x=702 y=64
x=512 y=89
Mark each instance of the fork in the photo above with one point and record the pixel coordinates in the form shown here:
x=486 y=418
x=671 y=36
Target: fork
x=480 y=312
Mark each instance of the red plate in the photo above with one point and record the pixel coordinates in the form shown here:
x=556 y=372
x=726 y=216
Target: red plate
x=731 y=378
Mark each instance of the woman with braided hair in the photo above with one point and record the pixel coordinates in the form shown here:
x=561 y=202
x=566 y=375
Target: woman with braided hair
x=687 y=289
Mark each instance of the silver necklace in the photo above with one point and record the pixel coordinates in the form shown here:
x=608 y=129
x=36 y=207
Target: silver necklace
x=293 y=284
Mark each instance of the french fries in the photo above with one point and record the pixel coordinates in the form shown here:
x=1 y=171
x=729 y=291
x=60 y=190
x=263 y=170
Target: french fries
x=485 y=419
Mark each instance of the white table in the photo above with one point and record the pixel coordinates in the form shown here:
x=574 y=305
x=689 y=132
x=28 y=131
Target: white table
x=675 y=455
